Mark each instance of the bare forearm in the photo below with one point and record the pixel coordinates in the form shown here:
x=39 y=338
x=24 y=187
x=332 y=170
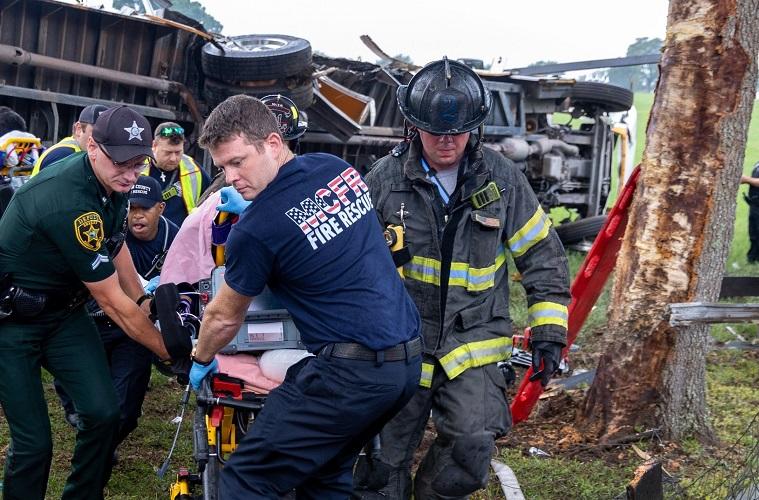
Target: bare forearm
x=751 y=181
x=216 y=331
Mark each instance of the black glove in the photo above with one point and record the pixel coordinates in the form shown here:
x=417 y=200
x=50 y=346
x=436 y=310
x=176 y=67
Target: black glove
x=549 y=353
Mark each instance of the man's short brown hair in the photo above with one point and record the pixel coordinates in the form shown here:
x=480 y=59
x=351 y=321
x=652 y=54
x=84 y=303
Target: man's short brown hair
x=238 y=115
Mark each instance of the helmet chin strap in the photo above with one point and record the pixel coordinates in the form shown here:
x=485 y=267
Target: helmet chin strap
x=475 y=155
x=409 y=131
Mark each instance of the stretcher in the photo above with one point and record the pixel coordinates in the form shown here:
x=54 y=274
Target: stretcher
x=221 y=419
x=228 y=402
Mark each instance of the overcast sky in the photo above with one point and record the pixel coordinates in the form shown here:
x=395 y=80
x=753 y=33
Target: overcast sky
x=520 y=32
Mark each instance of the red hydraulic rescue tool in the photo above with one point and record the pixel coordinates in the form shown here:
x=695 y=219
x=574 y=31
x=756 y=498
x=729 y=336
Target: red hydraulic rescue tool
x=586 y=287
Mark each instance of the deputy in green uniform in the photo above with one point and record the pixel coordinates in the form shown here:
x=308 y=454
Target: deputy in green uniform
x=58 y=244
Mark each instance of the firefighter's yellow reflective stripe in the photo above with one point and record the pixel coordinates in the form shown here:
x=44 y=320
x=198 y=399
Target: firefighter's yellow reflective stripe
x=476 y=279
x=547 y=313
x=424 y=269
x=474 y=354
x=426 y=379
x=427 y=270
x=66 y=142
x=534 y=231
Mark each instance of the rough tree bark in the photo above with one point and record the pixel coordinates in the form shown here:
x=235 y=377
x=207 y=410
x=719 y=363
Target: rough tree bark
x=681 y=223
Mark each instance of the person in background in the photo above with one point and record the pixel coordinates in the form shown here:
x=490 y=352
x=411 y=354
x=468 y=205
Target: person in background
x=182 y=181
x=460 y=207
x=752 y=198
x=75 y=143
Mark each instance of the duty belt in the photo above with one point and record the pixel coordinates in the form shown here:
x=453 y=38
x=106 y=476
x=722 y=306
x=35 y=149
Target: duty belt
x=350 y=350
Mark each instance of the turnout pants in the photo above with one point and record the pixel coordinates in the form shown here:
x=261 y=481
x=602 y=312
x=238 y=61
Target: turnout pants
x=312 y=427
x=71 y=350
x=470 y=412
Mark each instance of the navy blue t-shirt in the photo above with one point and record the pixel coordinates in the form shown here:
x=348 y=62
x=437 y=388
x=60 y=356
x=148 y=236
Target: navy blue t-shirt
x=148 y=255
x=312 y=236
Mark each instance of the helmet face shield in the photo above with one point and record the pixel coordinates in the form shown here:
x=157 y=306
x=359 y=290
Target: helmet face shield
x=445 y=97
x=292 y=122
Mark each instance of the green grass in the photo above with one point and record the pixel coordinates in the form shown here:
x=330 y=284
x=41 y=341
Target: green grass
x=140 y=455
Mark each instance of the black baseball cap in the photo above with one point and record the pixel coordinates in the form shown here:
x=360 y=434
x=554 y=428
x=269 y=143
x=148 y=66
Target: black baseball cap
x=90 y=113
x=146 y=192
x=123 y=133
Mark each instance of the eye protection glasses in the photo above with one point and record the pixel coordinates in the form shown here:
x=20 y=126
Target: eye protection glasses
x=136 y=164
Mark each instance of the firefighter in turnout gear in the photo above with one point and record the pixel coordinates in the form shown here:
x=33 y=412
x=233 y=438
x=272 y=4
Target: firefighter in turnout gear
x=462 y=208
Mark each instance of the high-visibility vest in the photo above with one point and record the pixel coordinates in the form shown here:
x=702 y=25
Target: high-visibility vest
x=190 y=179
x=66 y=142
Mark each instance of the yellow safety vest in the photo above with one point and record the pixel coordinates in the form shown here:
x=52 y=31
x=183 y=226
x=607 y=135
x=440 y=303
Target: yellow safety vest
x=190 y=180
x=66 y=142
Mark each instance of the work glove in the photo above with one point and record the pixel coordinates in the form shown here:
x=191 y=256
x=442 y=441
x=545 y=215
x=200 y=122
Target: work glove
x=546 y=357
x=232 y=201
x=151 y=285
x=198 y=372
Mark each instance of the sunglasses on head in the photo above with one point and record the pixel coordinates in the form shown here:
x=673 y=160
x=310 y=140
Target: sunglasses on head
x=171 y=131
x=138 y=163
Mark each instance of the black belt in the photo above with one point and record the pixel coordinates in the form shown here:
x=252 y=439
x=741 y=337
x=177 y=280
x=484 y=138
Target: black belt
x=398 y=352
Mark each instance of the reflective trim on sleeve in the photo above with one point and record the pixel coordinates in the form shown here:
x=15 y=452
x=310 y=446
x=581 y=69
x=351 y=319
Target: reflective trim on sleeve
x=426 y=378
x=427 y=270
x=547 y=313
x=473 y=354
x=424 y=269
x=534 y=231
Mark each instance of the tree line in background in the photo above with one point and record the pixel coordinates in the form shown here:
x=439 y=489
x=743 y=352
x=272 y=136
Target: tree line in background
x=190 y=8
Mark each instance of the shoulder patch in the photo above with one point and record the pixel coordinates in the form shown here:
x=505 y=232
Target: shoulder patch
x=88 y=229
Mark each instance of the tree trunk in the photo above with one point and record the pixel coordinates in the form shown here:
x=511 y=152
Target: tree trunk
x=681 y=223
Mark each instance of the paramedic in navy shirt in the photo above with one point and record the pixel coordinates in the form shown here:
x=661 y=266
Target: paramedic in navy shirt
x=311 y=235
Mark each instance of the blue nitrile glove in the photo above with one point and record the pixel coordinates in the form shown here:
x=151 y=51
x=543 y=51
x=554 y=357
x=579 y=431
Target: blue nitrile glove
x=152 y=284
x=550 y=355
x=232 y=201
x=198 y=372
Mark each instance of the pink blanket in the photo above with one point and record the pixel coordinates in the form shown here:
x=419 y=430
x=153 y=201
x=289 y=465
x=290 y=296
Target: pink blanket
x=189 y=258
x=246 y=367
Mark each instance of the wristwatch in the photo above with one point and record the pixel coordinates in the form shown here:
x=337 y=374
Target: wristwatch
x=196 y=360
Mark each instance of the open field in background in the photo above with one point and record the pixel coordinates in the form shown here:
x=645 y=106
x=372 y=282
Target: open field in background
x=732 y=377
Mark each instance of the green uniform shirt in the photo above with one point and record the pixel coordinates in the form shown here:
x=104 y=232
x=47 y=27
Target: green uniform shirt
x=53 y=234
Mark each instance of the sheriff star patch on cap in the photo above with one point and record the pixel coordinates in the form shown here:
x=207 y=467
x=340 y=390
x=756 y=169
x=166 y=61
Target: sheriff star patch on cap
x=89 y=231
x=134 y=131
